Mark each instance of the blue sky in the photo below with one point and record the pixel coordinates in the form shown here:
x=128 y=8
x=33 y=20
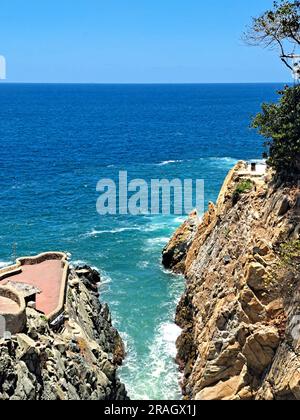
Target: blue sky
x=133 y=41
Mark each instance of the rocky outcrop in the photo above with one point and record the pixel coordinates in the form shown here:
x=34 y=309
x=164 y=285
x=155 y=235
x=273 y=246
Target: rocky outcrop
x=175 y=252
x=76 y=359
x=240 y=313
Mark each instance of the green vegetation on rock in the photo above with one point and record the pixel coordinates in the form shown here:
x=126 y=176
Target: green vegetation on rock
x=243 y=187
x=290 y=252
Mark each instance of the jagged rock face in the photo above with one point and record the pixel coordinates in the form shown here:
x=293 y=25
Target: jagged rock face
x=78 y=361
x=238 y=339
x=175 y=252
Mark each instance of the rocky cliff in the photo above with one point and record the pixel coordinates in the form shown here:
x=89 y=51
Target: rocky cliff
x=74 y=360
x=240 y=313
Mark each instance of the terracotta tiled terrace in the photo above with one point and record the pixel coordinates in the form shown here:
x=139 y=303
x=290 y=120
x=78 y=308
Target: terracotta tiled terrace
x=46 y=273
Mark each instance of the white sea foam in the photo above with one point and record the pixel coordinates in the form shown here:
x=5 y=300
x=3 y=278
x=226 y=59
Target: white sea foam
x=168 y=162
x=152 y=377
x=179 y=220
x=217 y=159
x=162 y=355
x=155 y=375
x=143 y=264
x=226 y=160
x=4 y=264
x=78 y=263
x=158 y=241
x=130 y=367
x=104 y=288
x=169 y=272
x=105 y=278
x=95 y=232
x=168 y=334
x=153 y=227
x=81 y=263
x=223 y=160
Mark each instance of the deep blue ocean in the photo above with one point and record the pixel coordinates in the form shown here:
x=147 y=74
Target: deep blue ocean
x=57 y=141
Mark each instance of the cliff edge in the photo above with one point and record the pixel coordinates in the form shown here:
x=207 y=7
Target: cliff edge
x=240 y=313
x=75 y=359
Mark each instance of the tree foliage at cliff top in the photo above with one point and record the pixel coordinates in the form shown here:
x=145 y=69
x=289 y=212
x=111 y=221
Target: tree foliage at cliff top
x=278 y=27
x=280 y=124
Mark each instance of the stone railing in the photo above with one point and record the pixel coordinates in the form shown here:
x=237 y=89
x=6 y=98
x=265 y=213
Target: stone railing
x=38 y=259
x=15 y=269
x=15 y=321
x=63 y=288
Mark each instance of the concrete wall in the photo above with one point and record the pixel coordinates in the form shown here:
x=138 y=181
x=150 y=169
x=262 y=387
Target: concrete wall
x=14 y=322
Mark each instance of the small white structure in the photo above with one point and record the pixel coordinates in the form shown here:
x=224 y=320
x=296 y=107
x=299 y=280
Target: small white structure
x=257 y=167
x=2 y=68
x=254 y=169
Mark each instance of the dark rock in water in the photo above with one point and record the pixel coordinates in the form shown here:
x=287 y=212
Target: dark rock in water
x=89 y=276
x=175 y=252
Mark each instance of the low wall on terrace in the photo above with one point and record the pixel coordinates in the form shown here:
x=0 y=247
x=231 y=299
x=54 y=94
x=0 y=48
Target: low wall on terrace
x=12 y=310
x=13 y=270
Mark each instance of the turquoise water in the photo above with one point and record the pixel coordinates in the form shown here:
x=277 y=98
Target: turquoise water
x=57 y=141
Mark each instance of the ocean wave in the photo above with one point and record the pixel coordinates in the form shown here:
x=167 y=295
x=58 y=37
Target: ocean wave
x=223 y=159
x=226 y=159
x=168 y=162
x=81 y=263
x=96 y=232
x=179 y=220
x=153 y=227
x=168 y=335
x=105 y=279
x=130 y=369
x=104 y=288
x=143 y=264
x=162 y=360
x=152 y=377
x=158 y=241
x=4 y=264
x=78 y=263
x=169 y=272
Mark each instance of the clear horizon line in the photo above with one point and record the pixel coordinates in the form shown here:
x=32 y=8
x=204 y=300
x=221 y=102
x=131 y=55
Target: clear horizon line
x=143 y=83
